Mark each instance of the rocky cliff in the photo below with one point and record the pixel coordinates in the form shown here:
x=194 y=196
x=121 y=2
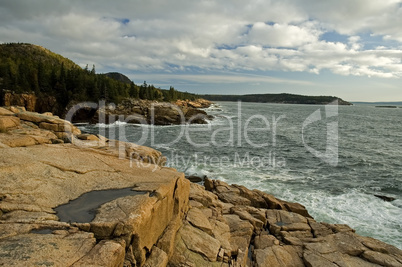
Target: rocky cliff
x=46 y=164
x=30 y=102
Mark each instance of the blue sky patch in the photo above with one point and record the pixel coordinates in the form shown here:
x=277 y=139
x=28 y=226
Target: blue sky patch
x=334 y=37
x=123 y=21
x=371 y=41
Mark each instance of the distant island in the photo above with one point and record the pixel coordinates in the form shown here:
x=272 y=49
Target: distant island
x=386 y=106
x=393 y=103
x=278 y=98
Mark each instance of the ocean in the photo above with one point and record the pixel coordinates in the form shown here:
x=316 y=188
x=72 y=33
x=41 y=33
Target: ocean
x=332 y=159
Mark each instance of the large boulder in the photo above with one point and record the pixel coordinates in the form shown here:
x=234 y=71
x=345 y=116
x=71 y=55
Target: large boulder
x=240 y=195
x=200 y=242
x=198 y=219
x=278 y=256
x=194 y=115
x=165 y=114
x=38 y=118
x=63 y=129
x=157 y=257
x=8 y=122
x=6 y=112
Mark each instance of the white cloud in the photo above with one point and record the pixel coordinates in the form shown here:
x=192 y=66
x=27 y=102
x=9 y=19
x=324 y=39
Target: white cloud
x=350 y=17
x=232 y=78
x=282 y=35
x=179 y=36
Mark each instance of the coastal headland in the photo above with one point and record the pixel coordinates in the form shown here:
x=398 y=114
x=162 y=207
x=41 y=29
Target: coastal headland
x=164 y=220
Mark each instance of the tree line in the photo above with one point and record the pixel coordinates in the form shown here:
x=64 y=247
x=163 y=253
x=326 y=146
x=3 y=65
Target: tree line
x=26 y=68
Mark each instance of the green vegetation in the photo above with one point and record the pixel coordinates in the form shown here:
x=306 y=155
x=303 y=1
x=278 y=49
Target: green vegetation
x=277 y=98
x=26 y=68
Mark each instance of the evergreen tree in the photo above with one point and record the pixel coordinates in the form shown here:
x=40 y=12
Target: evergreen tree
x=172 y=94
x=133 y=92
x=143 y=90
x=158 y=95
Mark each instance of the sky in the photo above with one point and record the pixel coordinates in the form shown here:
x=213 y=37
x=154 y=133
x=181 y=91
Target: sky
x=346 y=48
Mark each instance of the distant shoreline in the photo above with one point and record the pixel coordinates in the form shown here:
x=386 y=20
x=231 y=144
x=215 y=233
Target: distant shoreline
x=282 y=98
x=398 y=103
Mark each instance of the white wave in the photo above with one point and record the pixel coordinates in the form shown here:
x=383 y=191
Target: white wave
x=213 y=107
x=115 y=124
x=218 y=120
x=197 y=171
x=157 y=126
x=367 y=214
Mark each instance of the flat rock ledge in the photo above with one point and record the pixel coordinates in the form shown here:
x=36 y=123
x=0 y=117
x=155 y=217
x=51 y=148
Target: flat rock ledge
x=37 y=179
x=174 y=223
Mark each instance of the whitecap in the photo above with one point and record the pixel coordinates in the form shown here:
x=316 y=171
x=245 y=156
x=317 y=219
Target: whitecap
x=115 y=124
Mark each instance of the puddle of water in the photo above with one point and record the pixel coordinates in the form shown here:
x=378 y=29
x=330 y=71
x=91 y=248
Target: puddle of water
x=83 y=209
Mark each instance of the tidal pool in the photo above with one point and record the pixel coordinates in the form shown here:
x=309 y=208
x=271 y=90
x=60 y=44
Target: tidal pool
x=83 y=209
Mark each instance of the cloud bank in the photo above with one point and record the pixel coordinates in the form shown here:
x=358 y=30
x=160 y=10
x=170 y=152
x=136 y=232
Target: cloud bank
x=348 y=38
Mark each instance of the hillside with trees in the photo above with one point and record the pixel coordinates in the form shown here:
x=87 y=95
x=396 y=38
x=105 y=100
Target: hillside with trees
x=32 y=69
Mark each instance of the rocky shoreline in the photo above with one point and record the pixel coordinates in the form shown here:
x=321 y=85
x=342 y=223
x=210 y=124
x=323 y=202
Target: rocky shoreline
x=47 y=162
x=129 y=110
x=146 y=112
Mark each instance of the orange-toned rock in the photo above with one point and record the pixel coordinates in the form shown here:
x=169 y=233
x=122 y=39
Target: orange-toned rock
x=6 y=112
x=27 y=101
x=8 y=122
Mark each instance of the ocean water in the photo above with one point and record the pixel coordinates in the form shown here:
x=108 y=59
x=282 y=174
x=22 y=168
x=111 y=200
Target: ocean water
x=331 y=159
